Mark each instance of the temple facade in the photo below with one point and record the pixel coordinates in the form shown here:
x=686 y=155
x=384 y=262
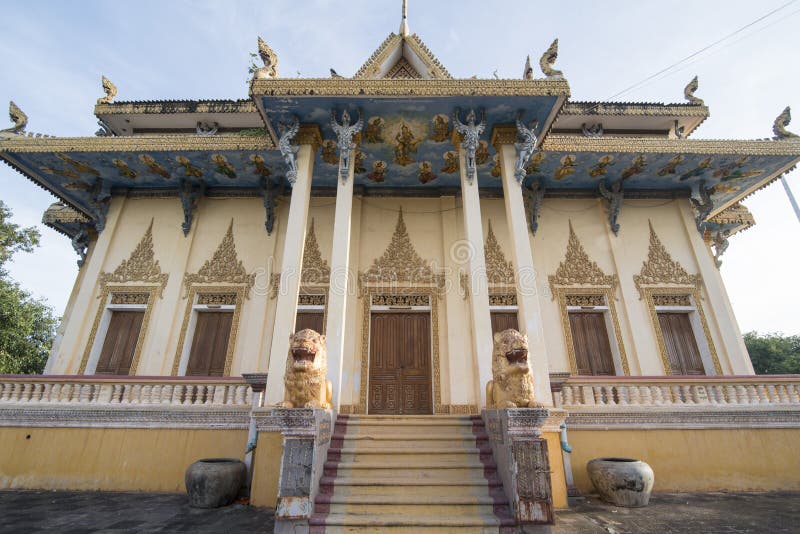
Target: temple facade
x=408 y=216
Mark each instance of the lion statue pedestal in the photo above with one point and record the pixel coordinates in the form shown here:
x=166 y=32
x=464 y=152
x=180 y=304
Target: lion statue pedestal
x=305 y=380
x=512 y=382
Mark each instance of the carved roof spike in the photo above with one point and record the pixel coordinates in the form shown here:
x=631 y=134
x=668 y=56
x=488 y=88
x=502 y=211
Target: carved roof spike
x=18 y=117
x=527 y=74
x=109 y=89
x=688 y=92
x=781 y=122
x=404 y=21
x=548 y=59
x=270 y=59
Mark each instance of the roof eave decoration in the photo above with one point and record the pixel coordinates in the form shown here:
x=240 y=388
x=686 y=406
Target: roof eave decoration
x=376 y=64
x=64 y=219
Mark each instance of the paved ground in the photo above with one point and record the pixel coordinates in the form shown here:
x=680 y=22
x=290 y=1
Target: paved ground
x=66 y=512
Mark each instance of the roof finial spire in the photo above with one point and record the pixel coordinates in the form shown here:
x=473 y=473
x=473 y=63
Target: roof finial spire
x=404 y=21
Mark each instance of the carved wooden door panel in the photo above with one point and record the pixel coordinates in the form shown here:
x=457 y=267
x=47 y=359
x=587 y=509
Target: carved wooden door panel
x=503 y=320
x=591 y=344
x=684 y=356
x=119 y=346
x=210 y=344
x=310 y=319
x=399 y=365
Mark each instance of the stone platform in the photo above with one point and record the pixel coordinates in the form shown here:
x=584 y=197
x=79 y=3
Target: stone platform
x=86 y=512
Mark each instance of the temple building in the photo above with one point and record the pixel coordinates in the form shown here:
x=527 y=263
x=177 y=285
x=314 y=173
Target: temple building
x=409 y=217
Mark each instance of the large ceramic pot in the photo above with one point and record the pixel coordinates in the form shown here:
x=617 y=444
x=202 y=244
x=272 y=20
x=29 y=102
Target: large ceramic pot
x=214 y=482
x=622 y=481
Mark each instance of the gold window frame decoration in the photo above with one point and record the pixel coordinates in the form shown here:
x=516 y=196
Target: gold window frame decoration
x=400 y=271
x=139 y=274
x=663 y=276
x=579 y=275
x=223 y=274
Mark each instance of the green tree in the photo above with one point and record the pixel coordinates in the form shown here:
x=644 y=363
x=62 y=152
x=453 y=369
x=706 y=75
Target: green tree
x=773 y=354
x=27 y=325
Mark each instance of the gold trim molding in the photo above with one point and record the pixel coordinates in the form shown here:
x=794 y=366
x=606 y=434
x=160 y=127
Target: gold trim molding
x=161 y=143
x=565 y=143
x=224 y=266
x=579 y=276
x=661 y=275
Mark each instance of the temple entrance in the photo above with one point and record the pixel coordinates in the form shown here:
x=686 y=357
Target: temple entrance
x=684 y=356
x=400 y=363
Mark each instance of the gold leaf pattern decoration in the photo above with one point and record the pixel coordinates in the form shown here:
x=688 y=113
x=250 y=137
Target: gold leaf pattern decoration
x=498 y=269
x=400 y=262
x=578 y=269
x=223 y=267
x=660 y=268
x=141 y=266
x=315 y=269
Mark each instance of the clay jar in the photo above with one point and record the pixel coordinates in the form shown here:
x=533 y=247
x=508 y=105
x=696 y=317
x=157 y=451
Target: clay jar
x=622 y=481
x=214 y=482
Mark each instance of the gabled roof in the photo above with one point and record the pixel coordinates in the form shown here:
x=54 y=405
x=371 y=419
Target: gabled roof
x=402 y=56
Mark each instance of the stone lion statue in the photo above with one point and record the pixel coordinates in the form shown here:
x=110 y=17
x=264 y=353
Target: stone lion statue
x=512 y=383
x=305 y=380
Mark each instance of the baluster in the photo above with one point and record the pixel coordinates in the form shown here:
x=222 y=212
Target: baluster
x=136 y=394
x=241 y=392
x=794 y=394
x=686 y=394
x=219 y=394
x=741 y=395
x=155 y=394
x=566 y=394
x=660 y=395
x=231 y=392
x=147 y=391
x=25 y=394
x=635 y=395
x=763 y=395
x=752 y=394
x=177 y=394
x=105 y=393
x=646 y=396
x=127 y=390
x=783 y=395
x=46 y=389
x=166 y=393
x=772 y=394
x=623 y=395
x=211 y=390
x=38 y=390
x=5 y=391
x=85 y=393
x=66 y=393
x=200 y=396
x=55 y=393
x=189 y=393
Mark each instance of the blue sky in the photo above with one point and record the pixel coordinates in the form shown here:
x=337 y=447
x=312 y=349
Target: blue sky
x=53 y=54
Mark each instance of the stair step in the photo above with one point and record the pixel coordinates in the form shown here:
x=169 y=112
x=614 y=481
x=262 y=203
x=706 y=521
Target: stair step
x=455 y=474
x=404 y=498
x=410 y=450
x=410 y=530
x=422 y=462
x=423 y=491
x=408 y=520
x=341 y=480
x=384 y=509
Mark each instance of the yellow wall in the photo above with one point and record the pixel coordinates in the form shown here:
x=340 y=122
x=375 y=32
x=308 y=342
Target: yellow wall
x=557 y=482
x=109 y=459
x=697 y=460
x=267 y=469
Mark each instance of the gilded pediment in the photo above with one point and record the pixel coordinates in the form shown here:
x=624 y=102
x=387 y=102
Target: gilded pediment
x=141 y=266
x=661 y=269
x=224 y=267
x=578 y=269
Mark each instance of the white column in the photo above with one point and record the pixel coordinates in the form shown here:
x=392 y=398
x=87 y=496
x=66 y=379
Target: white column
x=291 y=267
x=339 y=283
x=482 y=342
x=530 y=313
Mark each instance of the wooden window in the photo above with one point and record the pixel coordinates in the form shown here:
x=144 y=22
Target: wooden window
x=313 y=319
x=590 y=340
x=400 y=363
x=684 y=356
x=503 y=320
x=210 y=344
x=119 y=346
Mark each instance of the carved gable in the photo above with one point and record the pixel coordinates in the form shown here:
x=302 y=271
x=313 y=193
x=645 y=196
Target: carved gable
x=578 y=269
x=498 y=269
x=140 y=267
x=661 y=269
x=315 y=269
x=223 y=267
x=400 y=262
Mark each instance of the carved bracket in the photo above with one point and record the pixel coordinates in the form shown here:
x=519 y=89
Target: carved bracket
x=99 y=203
x=470 y=135
x=704 y=206
x=190 y=193
x=80 y=243
x=614 y=197
x=346 y=139
x=288 y=149
x=526 y=148
x=534 y=195
x=720 y=244
x=270 y=191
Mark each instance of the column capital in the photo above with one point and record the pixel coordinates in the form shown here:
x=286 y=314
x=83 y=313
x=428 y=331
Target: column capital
x=503 y=134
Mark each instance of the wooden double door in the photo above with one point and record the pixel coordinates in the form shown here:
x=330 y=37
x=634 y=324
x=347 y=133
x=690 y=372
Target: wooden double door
x=400 y=363
x=684 y=356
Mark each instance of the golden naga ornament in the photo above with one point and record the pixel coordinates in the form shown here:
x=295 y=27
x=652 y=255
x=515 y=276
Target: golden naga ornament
x=688 y=92
x=780 y=124
x=18 y=117
x=548 y=59
x=270 y=59
x=109 y=89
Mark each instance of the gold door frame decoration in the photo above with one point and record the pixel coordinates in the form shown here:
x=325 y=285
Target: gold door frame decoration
x=140 y=274
x=222 y=275
x=661 y=276
x=399 y=271
x=499 y=273
x=577 y=279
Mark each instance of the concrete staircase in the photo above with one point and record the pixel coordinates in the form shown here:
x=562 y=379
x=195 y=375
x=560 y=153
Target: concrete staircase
x=410 y=474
